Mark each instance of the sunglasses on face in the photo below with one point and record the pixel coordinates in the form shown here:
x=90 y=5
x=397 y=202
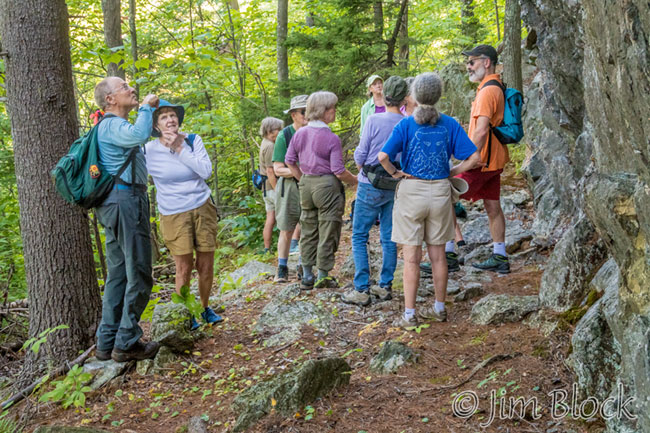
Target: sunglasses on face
x=471 y=62
x=301 y=111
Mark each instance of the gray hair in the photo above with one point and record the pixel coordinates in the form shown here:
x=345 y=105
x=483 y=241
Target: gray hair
x=270 y=124
x=426 y=89
x=318 y=103
x=102 y=90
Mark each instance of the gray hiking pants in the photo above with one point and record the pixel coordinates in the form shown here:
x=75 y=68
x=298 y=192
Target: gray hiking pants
x=125 y=217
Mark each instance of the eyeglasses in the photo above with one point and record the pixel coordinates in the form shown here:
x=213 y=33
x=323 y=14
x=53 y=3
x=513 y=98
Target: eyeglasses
x=301 y=111
x=471 y=62
x=123 y=86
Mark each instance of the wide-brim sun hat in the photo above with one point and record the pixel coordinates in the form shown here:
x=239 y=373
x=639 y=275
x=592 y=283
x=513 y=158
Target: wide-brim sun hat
x=297 y=102
x=458 y=187
x=180 y=113
x=371 y=79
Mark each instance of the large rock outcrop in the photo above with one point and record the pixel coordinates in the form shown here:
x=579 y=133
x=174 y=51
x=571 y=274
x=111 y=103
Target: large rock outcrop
x=588 y=128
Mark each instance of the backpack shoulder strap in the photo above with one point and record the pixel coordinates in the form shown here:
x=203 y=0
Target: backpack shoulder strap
x=495 y=83
x=287 y=135
x=190 y=141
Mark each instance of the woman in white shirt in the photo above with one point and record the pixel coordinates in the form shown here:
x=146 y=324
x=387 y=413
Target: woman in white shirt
x=179 y=166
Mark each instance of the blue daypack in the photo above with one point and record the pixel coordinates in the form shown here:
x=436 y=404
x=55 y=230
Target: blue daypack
x=511 y=129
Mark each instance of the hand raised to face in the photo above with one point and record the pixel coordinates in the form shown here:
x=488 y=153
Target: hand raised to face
x=172 y=140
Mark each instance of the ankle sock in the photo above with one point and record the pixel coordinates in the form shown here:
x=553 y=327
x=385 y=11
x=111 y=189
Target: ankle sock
x=439 y=307
x=409 y=313
x=461 y=243
x=283 y=262
x=294 y=243
x=499 y=248
x=307 y=272
x=450 y=247
x=322 y=274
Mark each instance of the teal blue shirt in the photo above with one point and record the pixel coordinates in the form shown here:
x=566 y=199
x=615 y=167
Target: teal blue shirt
x=116 y=137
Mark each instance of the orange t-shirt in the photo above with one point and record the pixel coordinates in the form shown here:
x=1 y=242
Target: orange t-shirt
x=489 y=102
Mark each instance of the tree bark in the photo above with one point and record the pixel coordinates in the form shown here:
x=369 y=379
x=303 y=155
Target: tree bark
x=512 y=45
x=404 y=41
x=496 y=11
x=113 y=33
x=378 y=19
x=283 y=57
x=390 y=51
x=134 y=43
x=59 y=264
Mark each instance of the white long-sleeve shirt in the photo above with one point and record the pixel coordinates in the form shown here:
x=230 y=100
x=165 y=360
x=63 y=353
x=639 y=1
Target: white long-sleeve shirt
x=179 y=177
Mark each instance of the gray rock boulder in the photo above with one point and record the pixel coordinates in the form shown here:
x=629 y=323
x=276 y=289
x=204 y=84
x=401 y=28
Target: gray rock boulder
x=576 y=257
x=284 y=316
x=163 y=358
x=495 y=309
x=170 y=326
x=103 y=371
x=291 y=391
x=250 y=272
x=392 y=356
x=471 y=291
x=197 y=425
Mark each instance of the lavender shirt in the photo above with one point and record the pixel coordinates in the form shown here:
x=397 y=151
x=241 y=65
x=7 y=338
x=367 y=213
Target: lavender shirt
x=376 y=131
x=317 y=149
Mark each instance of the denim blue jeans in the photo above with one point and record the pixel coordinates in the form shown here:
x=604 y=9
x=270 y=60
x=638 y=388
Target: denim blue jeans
x=370 y=204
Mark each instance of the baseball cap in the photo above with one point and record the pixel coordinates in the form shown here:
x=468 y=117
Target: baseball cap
x=483 y=50
x=395 y=89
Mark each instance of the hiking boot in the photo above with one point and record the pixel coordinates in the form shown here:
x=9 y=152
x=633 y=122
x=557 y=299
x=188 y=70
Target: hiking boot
x=453 y=264
x=381 y=293
x=137 y=352
x=103 y=355
x=209 y=316
x=459 y=210
x=326 y=283
x=353 y=296
x=283 y=274
x=431 y=314
x=194 y=325
x=401 y=322
x=496 y=262
x=307 y=282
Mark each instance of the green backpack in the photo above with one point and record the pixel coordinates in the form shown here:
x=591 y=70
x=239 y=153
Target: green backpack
x=79 y=176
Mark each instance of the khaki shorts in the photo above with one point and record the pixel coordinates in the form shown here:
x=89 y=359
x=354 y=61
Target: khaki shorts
x=287 y=204
x=195 y=229
x=423 y=211
x=269 y=200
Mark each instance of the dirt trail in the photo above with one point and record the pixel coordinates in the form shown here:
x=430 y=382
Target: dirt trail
x=418 y=398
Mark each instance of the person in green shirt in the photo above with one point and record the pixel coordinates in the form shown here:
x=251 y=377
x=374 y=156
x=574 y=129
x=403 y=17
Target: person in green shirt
x=287 y=196
x=375 y=104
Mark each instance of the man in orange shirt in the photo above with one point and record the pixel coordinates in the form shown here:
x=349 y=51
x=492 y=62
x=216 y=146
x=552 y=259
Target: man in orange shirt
x=485 y=182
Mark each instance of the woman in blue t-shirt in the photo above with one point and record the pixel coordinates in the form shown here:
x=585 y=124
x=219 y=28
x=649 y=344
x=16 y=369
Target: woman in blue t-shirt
x=423 y=209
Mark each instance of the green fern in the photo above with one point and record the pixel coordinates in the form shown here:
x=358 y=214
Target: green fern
x=8 y=426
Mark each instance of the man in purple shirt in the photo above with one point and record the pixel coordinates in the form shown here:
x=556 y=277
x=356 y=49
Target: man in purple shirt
x=322 y=198
x=372 y=202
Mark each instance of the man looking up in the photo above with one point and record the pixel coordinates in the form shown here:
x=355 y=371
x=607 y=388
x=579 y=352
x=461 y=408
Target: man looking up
x=485 y=183
x=125 y=217
x=287 y=196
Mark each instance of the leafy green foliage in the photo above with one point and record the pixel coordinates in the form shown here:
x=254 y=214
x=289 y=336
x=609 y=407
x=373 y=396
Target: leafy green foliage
x=71 y=390
x=189 y=300
x=8 y=426
x=34 y=343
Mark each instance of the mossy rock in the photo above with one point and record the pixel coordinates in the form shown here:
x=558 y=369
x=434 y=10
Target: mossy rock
x=392 y=356
x=290 y=391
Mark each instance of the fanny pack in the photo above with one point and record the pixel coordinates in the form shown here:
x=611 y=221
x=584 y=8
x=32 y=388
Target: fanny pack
x=380 y=178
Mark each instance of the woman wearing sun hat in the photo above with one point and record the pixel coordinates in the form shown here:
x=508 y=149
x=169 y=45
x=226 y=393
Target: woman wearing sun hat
x=423 y=209
x=375 y=104
x=179 y=166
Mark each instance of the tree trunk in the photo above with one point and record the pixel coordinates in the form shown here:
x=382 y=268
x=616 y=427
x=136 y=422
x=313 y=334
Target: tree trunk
x=390 y=50
x=512 y=45
x=404 y=41
x=378 y=19
x=283 y=58
x=134 y=43
x=113 y=33
x=59 y=264
x=496 y=10
x=469 y=22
